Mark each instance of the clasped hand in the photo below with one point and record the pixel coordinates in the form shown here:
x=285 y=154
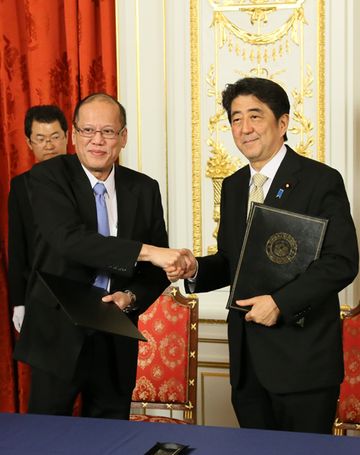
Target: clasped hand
x=177 y=263
x=184 y=266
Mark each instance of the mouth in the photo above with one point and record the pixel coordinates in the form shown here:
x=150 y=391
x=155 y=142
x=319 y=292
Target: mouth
x=250 y=140
x=97 y=152
x=51 y=153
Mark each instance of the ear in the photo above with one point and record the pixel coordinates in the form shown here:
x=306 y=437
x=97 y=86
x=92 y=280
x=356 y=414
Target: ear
x=28 y=142
x=283 y=124
x=123 y=137
x=66 y=137
x=73 y=136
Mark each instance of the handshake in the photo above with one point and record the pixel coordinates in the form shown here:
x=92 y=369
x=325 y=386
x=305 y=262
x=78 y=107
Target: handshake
x=177 y=263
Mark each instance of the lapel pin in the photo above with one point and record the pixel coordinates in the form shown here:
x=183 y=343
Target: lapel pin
x=279 y=193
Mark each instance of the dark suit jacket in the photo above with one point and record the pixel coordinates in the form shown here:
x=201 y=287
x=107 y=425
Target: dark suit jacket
x=286 y=357
x=67 y=244
x=21 y=238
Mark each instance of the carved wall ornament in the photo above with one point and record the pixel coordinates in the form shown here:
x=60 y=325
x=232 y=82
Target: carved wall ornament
x=263 y=38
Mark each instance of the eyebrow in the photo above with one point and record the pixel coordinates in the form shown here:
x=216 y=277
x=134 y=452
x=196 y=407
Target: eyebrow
x=253 y=109
x=109 y=125
x=46 y=135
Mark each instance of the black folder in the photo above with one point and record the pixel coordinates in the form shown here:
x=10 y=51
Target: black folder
x=278 y=246
x=83 y=305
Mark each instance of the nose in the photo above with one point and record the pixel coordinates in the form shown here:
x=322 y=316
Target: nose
x=49 y=144
x=97 y=138
x=247 y=126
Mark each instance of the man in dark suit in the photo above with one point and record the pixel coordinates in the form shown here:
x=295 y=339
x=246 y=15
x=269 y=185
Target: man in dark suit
x=67 y=359
x=284 y=375
x=46 y=135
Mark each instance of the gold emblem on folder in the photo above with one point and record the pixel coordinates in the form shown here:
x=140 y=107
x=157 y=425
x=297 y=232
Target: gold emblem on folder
x=281 y=248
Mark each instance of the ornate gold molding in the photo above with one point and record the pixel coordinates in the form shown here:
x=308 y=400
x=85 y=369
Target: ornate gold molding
x=303 y=126
x=212 y=321
x=213 y=340
x=195 y=126
x=257 y=48
x=321 y=80
x=219 y=166
x=259 y=16
x=238 y=5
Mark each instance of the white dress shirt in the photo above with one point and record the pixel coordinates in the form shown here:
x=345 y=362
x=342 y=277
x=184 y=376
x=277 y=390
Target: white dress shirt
x=270 y=169
x=110 y=198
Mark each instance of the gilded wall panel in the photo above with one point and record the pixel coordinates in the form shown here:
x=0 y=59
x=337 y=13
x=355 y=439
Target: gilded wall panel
x=279 y=40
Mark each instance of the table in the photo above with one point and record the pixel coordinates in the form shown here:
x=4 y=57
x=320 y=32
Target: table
x=36 y=434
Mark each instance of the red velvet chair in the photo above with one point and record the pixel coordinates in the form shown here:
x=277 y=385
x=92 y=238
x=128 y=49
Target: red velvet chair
x=167 y=363
x=348 y=413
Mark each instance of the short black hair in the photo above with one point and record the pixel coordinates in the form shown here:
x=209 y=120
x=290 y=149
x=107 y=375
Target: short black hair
x=104 y=97
x=44 y=113
x=266 y=90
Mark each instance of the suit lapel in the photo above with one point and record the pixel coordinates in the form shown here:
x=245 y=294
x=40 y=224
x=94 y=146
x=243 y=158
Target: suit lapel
x=83 y=193
x=126 y=200
x=236 y=200
x=243 y=185
x=284 y=181
x=126 y=204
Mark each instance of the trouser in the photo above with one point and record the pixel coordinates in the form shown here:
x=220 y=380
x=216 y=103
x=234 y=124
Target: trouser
x=311 y=411
x=95 y=378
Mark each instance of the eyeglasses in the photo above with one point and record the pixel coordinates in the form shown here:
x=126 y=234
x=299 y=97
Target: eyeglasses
x=106 y=132
x=42 y=140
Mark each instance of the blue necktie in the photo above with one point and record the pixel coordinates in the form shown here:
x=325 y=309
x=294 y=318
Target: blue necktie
x=101 y=280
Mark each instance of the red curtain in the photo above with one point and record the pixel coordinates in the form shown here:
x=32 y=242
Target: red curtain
x=51 y=52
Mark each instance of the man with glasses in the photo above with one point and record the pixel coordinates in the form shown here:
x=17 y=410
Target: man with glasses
x=67 y=359
x=46 y=132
